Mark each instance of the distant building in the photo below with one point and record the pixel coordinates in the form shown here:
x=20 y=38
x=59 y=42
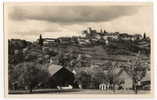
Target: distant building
x=126 y=36
x=83 y=41
x=137 y=37
x=110 y=36
x=64 y=40
x=60 y=40
x=49 y=41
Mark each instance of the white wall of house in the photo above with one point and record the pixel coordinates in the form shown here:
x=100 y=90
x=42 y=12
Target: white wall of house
x=127 y=78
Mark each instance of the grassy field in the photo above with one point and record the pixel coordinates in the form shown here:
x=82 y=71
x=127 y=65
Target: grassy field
x=78 y=91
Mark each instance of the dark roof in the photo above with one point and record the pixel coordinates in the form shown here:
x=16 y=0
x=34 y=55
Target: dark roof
x=52 y=69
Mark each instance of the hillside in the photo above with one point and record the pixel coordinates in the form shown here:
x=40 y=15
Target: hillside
x=93 y=62
x=115 y=52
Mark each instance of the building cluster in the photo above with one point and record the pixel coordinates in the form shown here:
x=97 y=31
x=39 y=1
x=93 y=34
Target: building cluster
x=91 y=36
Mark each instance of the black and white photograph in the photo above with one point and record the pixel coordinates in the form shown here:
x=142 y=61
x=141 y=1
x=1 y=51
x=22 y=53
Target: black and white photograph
x=78 y=48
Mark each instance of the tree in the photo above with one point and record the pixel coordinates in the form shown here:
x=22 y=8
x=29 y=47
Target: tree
x=28 y=75
x=144 y=36
x=36 y=54
x=138 y=70
x=15 y=48
x=16 y=58
x=40 y=40
x=84 y=79
x=98 y=78
x=112 y=79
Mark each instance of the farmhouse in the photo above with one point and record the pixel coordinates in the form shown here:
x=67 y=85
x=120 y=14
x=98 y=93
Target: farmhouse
x=125 y=79
x=59 y=76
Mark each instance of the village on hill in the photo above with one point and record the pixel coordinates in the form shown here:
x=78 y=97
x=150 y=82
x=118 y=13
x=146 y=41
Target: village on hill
x=97 y=60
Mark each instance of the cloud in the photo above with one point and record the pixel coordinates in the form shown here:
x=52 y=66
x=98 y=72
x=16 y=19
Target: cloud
x=28 y=21
x=71 y=14
x=32 y=27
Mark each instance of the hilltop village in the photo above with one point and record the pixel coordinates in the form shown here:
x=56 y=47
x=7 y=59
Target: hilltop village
x=97 y=59
x=93 y=37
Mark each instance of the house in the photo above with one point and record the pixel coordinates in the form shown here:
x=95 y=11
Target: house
x=49 y=41
x=83 y=41
x=64 y=40
x=137 y=37
x=59 y=76
x=125 y=36
x=125 y=79
x=109 y=37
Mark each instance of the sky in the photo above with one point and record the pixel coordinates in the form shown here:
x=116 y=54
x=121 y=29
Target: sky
x=28 y=21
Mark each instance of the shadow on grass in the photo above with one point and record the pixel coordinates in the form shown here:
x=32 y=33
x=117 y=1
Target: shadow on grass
x=42 y=91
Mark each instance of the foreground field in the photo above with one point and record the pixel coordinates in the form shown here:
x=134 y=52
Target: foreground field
x=78 y=91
